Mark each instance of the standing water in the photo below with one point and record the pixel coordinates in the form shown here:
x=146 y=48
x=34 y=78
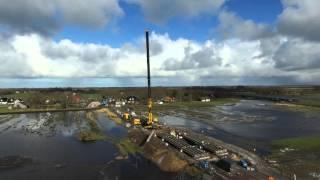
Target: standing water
x=248 y=123
x=45 y=146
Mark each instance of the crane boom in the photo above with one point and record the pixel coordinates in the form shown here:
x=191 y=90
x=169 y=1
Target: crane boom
x=150 y=118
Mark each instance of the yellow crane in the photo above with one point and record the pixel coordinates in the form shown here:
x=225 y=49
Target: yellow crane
x=149 y=120
x=150 y=116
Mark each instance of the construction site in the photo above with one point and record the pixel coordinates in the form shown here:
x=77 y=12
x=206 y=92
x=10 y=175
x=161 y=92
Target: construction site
x=159 y=90
x=213 y=157
x=176 y=132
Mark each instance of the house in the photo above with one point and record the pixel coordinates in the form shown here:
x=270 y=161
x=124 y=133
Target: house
x=75 y=98
x=10 y=101
x=118 y=104
x=132 y=100
x=104 y=102
x=205 y=99
x=3 y=100
x=168 y=99
x=18 y=104
x=159 y=102
x=47 y=101
x=20 y=100
x=108 y=101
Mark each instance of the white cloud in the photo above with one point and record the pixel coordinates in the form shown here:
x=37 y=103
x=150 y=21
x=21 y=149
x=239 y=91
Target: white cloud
x=160 y=11
x=232 y=60
x=47 y=16
x=233 y=26
x=300 y=18
x=248 y=51
x=96 y=13
x=297 y=54
x=195 y=57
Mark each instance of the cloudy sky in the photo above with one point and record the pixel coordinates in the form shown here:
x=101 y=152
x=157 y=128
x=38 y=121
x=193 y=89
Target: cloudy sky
x=56 y=43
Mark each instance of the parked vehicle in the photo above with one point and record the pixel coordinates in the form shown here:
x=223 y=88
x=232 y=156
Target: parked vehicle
x=243 y=163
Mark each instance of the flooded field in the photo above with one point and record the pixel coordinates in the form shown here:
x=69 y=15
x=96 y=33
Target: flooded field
x=249 y=119
x=255 y=125
x=45 y=146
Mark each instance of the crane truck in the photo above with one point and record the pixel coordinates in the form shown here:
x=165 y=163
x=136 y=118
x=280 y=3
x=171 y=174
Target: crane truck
x=146 y=121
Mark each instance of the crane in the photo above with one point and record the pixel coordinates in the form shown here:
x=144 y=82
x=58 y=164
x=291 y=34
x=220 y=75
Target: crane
x=148 y=121
x=150 y=116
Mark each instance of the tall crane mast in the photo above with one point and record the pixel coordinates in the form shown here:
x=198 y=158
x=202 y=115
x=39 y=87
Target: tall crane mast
x=150 y=117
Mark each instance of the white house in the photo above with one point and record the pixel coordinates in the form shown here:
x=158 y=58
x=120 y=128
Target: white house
x=3 y=101
x=18 y=104
x=205 y=99
x=118 y=104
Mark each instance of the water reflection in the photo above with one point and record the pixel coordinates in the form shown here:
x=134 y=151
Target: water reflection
x=48 y=139
x=249 y=123
x=252 y=119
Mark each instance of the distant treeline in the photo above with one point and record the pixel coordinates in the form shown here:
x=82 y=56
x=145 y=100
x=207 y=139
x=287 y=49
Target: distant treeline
x=180 y=93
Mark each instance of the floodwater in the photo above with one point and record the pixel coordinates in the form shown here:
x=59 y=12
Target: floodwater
x=248 y=123
x=49 y=149
x=263 y=121
x=46 y=147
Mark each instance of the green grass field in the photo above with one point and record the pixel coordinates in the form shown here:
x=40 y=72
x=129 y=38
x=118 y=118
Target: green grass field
x=300 y=143
x=310 y=100
x=308 y=104
x=185 y=105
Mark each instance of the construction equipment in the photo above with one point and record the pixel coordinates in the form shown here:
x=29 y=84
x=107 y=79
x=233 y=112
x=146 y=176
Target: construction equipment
x=126 y=116
x=150 y=119
x=136 y=121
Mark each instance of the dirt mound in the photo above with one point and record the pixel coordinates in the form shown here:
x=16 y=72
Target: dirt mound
x=157 y=152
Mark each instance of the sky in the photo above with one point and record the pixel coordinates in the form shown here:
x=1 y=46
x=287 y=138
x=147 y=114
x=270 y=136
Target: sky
x=56 y=43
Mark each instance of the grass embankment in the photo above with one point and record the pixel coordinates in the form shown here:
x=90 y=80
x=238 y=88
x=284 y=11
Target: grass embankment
x=301 y=157
x=196 y=104
x=94 y=133
x=300 y=143
x=310 y=100
x=307 y=109
x=87 y=136
x=5 y=110
x=21 y=111
x=185 y=105
x=309 y=104
x=126 y=147
x=111 y=114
